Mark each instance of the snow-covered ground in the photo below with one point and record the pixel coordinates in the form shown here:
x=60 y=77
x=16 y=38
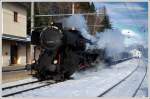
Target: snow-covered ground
x=20 y=88
x=131 y=84
x=89 y=83
x=143 y=91
x=19 y=82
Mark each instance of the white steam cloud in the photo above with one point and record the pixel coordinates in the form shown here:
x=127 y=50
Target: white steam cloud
x=110 y=40
x=78 y=22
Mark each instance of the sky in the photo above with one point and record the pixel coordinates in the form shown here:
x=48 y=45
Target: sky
x=131 y=18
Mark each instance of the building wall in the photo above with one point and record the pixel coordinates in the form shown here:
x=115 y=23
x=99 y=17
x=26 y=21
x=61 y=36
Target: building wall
x=9 y=25
x=38 y=51
x=28 y=55
x=5 y=53
x=21 y=55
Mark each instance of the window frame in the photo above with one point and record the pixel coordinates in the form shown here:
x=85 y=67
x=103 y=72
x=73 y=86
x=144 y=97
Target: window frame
x=15 y=16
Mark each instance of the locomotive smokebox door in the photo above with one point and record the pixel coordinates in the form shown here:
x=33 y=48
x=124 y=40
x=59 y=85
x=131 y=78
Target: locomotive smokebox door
x=51 y=38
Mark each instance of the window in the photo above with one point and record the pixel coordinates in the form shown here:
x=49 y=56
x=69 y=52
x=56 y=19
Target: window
x=15 y=16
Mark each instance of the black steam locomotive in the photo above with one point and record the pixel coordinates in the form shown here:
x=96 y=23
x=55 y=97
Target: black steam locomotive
x=62 y=52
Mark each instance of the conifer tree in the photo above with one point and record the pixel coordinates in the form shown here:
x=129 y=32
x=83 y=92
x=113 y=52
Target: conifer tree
x=105 y=22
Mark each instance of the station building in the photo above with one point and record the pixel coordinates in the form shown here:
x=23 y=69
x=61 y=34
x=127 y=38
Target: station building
x=15 y=41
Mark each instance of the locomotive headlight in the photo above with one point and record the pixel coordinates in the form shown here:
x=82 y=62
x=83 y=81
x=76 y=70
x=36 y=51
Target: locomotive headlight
x=33 y=61
x=55 y=61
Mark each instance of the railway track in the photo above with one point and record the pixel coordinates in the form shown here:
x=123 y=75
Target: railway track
x=24 y=87
x=28 y=86
x=107 y=91
x=140 y=83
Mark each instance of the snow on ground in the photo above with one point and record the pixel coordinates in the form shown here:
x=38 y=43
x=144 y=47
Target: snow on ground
x=131 y=84
x=143 y=91
x=20 y=88
x=18 y=82
x=88 y=83
x=85 y=73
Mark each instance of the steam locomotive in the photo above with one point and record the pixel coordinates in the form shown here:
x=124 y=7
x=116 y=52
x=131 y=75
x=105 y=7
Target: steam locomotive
x=62 y=52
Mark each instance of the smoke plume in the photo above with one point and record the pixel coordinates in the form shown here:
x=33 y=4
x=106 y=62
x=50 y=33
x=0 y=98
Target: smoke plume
x=111 y=40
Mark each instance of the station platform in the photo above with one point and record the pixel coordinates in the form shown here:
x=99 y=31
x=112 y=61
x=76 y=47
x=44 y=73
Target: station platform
x=14 y=73
x=13 y=68
x=15 y=76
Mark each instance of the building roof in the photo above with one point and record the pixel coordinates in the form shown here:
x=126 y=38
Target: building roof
x=24 y=5
x=15 y=38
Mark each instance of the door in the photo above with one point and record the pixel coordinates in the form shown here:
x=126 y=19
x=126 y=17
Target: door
x=14 y=55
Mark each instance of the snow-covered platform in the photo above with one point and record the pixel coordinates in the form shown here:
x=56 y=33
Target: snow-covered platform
x=95 y=81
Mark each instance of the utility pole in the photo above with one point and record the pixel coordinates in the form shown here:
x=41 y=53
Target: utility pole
x=32 y=28
x=32 y=16
x=72 y=7
x=73 y=13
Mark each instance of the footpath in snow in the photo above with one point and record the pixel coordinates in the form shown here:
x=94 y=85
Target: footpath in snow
x=90 y=83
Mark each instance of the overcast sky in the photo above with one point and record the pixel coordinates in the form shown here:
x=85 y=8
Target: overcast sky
x=130 y=18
